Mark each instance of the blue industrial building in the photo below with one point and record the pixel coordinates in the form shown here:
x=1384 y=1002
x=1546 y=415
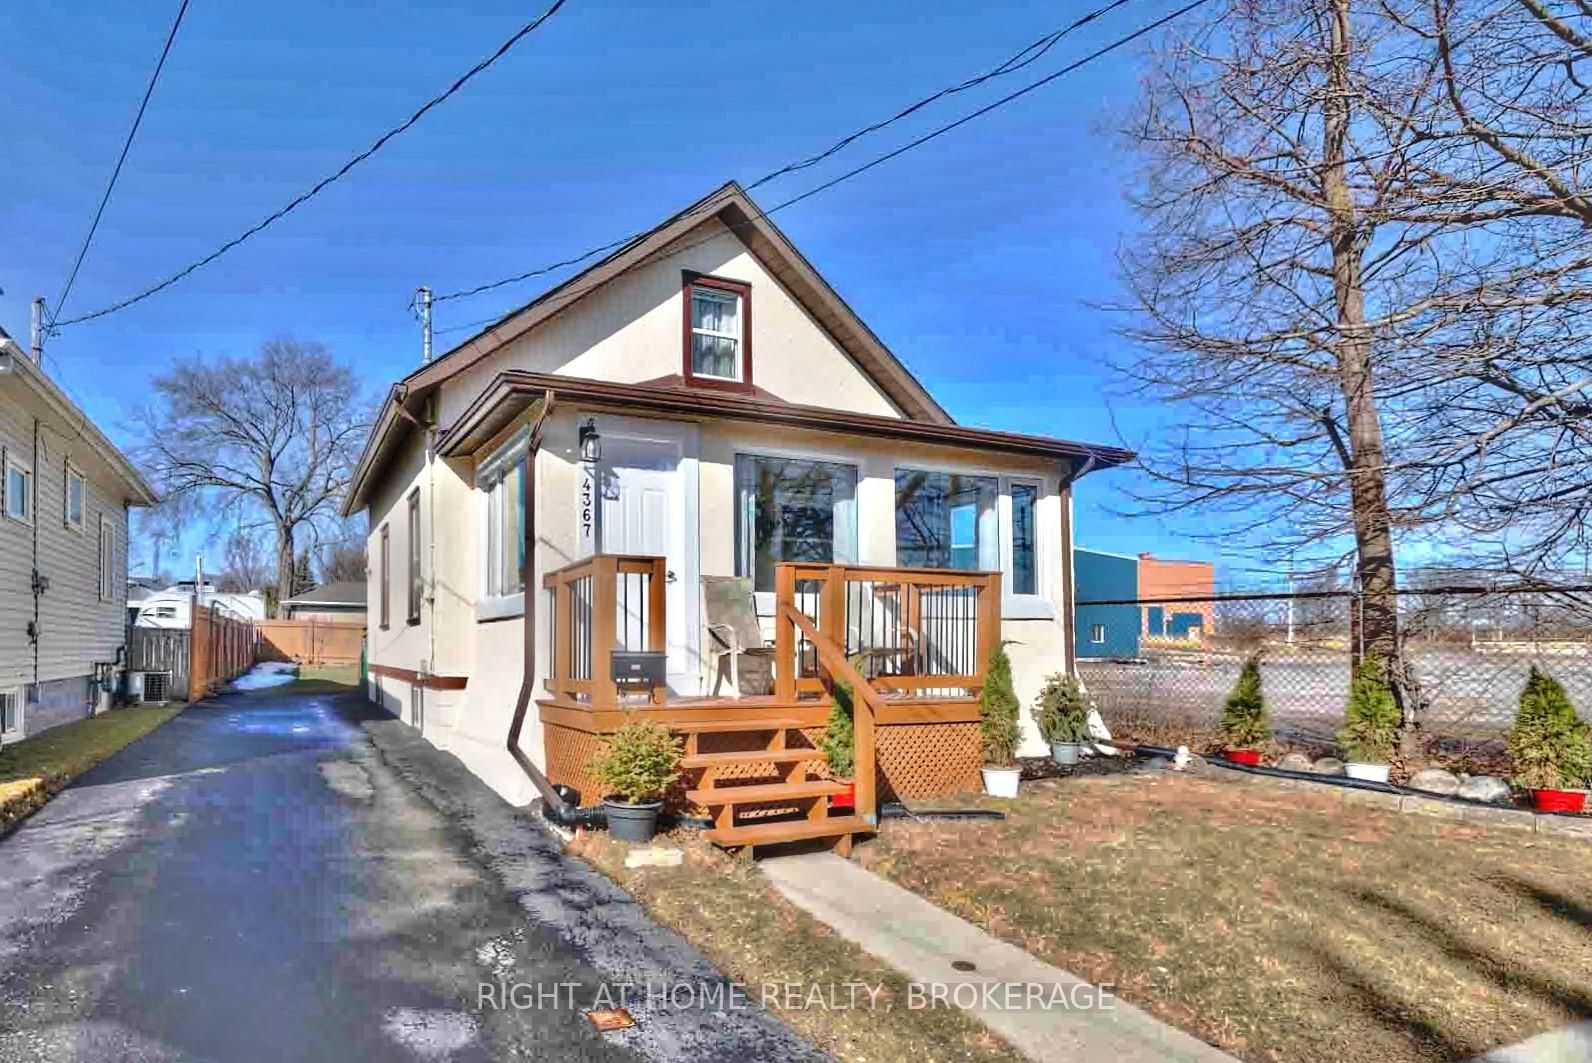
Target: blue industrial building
x=1106 y=630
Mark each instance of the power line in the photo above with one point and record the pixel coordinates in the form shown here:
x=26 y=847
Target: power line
x=1023 y=57
x=1120 y=42
x=297 y=201
x=116 y=172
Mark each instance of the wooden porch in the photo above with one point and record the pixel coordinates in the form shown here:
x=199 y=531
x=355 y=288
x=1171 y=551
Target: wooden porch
x=913 y=645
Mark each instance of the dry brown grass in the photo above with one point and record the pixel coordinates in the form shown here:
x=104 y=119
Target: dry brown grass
x=1280 y=925
x=726 y=908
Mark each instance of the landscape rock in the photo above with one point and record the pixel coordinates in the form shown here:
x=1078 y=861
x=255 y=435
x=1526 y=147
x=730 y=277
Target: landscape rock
x=1294 y=762
x=657 y=856
x=1435 y=781
x=1328 y=766
x=1484 y=788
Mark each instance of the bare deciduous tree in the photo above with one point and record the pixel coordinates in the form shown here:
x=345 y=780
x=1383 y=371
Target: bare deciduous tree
x=343 y=561
x=1345 y=287
x=272 y=438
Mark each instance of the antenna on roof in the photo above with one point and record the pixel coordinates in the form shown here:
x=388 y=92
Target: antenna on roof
x=36 y=330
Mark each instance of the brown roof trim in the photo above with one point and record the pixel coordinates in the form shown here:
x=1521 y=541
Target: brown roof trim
x=763 y=238
x=520 y=387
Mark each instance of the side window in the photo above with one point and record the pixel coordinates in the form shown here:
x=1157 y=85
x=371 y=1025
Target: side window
x=414 y=556
x=386 y=572
x=73 y=503
x=107 y=560
x=18 y=489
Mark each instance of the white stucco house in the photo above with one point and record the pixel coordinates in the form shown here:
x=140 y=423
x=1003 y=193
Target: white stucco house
x=65 y=491
x=701 y=403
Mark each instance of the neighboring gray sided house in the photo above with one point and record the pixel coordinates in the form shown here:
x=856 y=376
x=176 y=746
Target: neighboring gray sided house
x=64 y=495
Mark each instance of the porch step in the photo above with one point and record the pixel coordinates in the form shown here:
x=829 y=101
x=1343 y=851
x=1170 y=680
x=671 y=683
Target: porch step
x=747 y=795
x=788 y=831
x=710 y=727
x=750 y=756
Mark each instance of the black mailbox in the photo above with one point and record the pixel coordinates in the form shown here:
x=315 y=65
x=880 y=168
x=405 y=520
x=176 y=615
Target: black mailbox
x=647 y=667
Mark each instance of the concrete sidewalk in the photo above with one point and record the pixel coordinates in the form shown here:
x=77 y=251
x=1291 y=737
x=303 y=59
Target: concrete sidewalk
x=922 y=941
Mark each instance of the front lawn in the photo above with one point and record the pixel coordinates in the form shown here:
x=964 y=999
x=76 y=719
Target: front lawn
x=34 y=769
x=1277 y=924
x=726 y=908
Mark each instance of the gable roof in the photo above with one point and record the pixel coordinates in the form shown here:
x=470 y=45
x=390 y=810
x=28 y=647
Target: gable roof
x=339 y=592
x=736 y=211
x=18 y=366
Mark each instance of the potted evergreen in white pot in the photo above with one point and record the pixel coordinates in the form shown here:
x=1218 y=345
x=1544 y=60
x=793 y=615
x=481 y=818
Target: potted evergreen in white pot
x=1062 y=714
x=1370 y=725
x=1551 y=746
x=998 y=727
x=639 y=764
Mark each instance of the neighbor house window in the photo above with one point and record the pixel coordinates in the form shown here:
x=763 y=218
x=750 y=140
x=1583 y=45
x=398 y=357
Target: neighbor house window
x=19 y=490
x=386 y=572
x=107 y=560
x=1024 y=573
x=946 y=520
x=414 y=556
x=717 y=330
x=74 y=498
x=11 y=713
x=1097 y=633
x=501 y=481
x=792 y=509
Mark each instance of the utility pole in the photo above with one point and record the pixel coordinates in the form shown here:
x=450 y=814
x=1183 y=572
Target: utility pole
x=36 y=330
x=422 y=305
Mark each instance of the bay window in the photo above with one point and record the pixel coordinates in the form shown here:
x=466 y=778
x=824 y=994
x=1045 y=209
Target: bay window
x=792 y=509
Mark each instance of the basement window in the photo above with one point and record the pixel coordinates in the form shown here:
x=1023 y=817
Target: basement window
x=10 y=714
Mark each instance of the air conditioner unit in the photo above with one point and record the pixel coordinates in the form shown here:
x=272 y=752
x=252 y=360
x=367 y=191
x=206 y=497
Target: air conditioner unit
x=156 y=688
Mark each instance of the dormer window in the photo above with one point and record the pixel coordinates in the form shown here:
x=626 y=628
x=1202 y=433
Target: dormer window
x=718 y=331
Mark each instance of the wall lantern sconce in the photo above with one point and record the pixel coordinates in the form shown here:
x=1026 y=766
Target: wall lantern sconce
x=591 y=443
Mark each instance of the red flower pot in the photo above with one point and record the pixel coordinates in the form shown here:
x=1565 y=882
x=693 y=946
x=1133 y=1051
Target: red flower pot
x=1558 y=800
x=846 y=800
x=1247 y=757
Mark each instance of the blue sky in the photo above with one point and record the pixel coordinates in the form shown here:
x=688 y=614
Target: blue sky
x=975 y=257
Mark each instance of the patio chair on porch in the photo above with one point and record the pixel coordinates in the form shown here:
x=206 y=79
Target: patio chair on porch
x=733 y=633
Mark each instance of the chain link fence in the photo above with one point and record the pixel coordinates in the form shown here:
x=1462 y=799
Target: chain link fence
x=1471 y=649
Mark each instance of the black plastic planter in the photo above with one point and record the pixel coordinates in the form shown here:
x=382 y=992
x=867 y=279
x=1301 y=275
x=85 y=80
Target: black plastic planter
x=632 y=823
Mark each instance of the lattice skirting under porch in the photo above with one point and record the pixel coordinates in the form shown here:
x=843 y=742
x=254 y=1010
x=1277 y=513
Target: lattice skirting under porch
x=915 y=760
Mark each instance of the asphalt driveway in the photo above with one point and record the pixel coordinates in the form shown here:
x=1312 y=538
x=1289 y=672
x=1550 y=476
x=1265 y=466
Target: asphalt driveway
x=289 y=875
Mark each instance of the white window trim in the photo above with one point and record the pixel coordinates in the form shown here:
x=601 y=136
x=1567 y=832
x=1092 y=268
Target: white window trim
x=20 y=702
x=107 y=559
x=737 y=337
x=73 y=473
x=1014 y=606
x=31 y=491
x=499 y=606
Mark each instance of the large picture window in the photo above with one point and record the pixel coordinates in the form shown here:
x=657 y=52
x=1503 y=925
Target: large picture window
x=792 y=509
x=946 y=520
x=501 y=480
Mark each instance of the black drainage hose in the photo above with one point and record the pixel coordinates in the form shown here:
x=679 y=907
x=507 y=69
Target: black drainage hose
x=897 y=810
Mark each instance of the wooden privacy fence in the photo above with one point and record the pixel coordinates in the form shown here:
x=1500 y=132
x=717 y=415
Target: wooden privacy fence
x=220 y=648
x=309 y=641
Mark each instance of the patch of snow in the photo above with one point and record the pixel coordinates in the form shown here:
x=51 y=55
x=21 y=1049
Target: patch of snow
x=266 y=675
x=430 y=1034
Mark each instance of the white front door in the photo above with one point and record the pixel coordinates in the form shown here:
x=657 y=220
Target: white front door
x=645 y=507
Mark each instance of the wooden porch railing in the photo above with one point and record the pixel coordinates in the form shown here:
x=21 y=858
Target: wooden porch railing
x=925 y=632
x=917 y=631
x=605 y=603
